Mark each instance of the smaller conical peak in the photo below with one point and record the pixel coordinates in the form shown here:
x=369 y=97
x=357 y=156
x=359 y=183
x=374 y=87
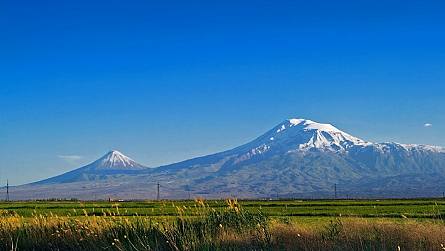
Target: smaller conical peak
x=116 y=160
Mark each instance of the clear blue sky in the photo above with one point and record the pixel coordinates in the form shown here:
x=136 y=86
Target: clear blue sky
x=166 y=82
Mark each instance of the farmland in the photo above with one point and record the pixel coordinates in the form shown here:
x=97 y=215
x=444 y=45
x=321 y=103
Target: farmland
x=231 y=224
x=427 y=208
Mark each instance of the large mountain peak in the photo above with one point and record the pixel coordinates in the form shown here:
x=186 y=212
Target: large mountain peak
x=308 y=134
x=116 y=160
x=301 y=135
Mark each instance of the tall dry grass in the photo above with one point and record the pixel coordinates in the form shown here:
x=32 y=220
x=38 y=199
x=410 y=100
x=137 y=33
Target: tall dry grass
x=203 y=228
x=360 y=234
x=202 y=231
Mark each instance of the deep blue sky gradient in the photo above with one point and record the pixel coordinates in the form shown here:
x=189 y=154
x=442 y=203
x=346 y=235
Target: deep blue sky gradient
x=163 y=81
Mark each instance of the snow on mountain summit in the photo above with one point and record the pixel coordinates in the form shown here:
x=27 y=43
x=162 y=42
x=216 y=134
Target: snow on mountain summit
x=307 y=134
x=311 y=125
x=116 y=160
x=301 y=135
x=325 y=136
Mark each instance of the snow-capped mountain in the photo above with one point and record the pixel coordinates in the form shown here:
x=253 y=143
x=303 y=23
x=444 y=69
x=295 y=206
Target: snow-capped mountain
x=299 y=135
x=296 y=158
x=112 y=164
x=302 y=158
x=302 y=134
x=115 y=160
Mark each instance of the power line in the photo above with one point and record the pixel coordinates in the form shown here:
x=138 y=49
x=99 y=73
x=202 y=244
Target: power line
x=158 y=197
x=7 y=190
x=335 y=191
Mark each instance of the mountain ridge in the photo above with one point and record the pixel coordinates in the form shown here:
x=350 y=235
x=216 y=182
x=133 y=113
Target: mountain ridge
x=297 y=157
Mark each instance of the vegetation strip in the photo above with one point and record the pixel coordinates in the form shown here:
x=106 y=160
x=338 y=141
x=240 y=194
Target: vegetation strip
x=213 y=225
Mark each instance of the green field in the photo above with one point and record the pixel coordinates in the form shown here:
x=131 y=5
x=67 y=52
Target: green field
x=419 y=209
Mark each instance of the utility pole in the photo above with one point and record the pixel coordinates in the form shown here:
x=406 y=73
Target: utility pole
x=335 y=191
x=158 y=197
x=7 y=190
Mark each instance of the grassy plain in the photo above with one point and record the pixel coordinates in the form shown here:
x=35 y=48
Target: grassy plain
x=424 y=208
x=209 y=225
